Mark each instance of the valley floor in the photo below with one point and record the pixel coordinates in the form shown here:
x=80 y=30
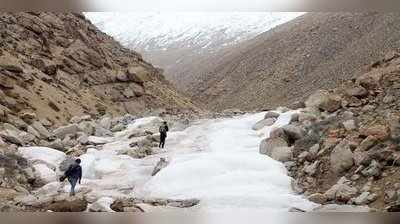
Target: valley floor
x=215 y=161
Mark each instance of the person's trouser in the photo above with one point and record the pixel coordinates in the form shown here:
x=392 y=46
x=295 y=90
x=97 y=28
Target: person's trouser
x=73 y=182
x=162 y=140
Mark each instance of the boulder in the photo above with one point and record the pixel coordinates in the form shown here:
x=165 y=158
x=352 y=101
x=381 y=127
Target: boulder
x=373 y=170
x=312 y=168
x=105 y=122
x=282 y=154
x=350 y=125
x=271 y=114
x=11 y=134
x=325 y=101
x=44 y=133
x=79 y=119
x=63 y=131
x=341 y=158
x=293 y=133
x=317 y=198
x=261 y=124
x=357 y=91
x=138 y=74
x=365 y=198
x=102 y=205
x=268 y=144
x=88 y=127
x=74 y=205
x=371 y=80
x=102 y=132
x=341 y=191
x=380 y=132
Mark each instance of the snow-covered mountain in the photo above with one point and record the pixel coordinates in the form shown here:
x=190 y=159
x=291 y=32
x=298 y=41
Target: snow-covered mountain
x=174 y=40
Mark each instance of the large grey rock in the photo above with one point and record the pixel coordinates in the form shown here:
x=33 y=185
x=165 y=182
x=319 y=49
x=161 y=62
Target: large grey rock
x=44 y=133
x=263 y=123
x=267 y=145
x=373 y=170
x=88 y=127
x=63 y=131
x=323 y=100
x=317 y=198
x=101 y=205
x=282 y=154
x=341 y=157
x=365 y=198
x=271 y=114
x=78 y=119
x=33 y=131
x=105 y=122
x=11 y=134
x=341 y=191
x=293 y=132
x=102 y=132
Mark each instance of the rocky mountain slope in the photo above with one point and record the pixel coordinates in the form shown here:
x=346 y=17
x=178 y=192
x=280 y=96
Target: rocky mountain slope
x=58 y=65
x=288 y=63
x=180 y=42
x=343 y=145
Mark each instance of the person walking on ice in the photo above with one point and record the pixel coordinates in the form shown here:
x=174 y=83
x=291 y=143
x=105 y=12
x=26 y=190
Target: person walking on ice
x=163 y=134
x=74 y=175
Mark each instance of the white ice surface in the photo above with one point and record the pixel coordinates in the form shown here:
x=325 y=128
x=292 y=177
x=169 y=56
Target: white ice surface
x=216 y=161
x=47 y=155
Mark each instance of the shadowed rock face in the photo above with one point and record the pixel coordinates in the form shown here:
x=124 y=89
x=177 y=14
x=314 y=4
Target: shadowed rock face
x=59 y=65
x=288 y=63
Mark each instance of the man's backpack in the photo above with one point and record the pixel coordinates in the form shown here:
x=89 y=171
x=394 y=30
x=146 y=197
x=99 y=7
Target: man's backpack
x=163 y=129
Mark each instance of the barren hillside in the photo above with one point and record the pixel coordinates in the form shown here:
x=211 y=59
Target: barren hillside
x=60 y=65
x=314 y=51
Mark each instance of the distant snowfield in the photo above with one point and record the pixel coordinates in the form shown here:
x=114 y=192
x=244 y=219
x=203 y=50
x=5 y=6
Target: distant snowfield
x=216 y=161
x=160 y=31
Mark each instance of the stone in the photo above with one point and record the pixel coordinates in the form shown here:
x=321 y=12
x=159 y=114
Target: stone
x=365 y=198
x=28 y=117
x=83 y=139
x=341 y=192
x=105 y=122
x=317 y=198
x=367 y=143
x=44 y=133
x=388 y=99
x=271 y=114
x=57 y=144
x=33 y=131
x=293 y=133
x=341 y=158
x=101 y=205
x=63 y=131
x=373 y=170
x=371 y=80
x=380 y=132
x=323 y=100
x=282 y=154
x=312 y=168
x=263 y=123
x=79 y=119
x=88 y=127
x=102 y=132
x=76 y=205
x=118 y=128
x=11 y=134
x=357 y=91
x=305 y=116
x=161 y=164
x=350 y=125
x=268 y=144
x=138 y=74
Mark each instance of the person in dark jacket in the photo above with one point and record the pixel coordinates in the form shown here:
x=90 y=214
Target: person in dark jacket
x=74 y=175
x=163 y=134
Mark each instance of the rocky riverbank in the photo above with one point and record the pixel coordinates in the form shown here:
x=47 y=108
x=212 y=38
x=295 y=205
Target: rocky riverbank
x=342 y=147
